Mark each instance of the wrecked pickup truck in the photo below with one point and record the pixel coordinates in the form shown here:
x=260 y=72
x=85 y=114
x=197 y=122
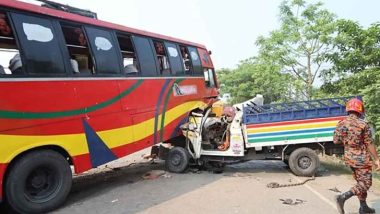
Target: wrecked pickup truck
x=292 y=132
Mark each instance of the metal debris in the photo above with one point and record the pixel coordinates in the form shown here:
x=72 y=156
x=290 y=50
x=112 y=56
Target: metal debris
x=167 y=175
x=113 y=169
x=149 y=156
x=289 y=201
x=335 y=190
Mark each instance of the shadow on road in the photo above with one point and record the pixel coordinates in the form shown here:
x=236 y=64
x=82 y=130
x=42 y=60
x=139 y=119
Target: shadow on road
x=126 y=182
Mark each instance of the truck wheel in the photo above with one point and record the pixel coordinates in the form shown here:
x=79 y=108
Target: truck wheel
x=38 y=182
x=304 y=162
x=177 y=160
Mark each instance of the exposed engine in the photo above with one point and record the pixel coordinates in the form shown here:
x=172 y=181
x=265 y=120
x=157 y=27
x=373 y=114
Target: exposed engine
x=215 y=134
x=214 y=130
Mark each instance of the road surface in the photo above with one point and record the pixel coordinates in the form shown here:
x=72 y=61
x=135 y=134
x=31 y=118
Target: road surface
x=239 y=189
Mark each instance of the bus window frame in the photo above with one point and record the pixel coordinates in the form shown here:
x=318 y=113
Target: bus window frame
x=66 y=23
x=125 y=34
x=182 y=72
x=8 y=13
x=193 y=73
x=191 y=69
x=55 y=25
x=114 y=42
x=149 y=39
x=156 y=57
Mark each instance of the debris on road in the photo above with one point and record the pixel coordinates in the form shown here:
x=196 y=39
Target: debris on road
x=154 y=174
x=113 y=169
x=167 y=175
x=116 y=200
x=289 y=201
x=149 y=156
x=335 y=190
x=277 y=185
x=195 y=170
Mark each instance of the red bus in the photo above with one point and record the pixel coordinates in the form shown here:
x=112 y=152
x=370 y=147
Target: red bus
x=77 y=91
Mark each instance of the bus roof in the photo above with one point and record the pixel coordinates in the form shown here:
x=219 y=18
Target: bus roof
x=85 y=20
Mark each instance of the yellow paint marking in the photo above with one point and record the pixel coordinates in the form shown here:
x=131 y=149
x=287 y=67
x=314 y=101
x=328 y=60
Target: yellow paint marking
x=75 y=144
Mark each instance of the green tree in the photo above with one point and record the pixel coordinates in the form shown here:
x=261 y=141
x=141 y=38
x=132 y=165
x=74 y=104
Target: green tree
x=252 y=77
x=355 y=66
x=301 y=43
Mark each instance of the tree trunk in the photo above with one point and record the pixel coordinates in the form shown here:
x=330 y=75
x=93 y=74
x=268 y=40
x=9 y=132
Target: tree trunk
x=309 y=78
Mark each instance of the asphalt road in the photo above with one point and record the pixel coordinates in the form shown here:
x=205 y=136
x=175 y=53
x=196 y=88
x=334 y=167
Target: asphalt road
x=239 y=189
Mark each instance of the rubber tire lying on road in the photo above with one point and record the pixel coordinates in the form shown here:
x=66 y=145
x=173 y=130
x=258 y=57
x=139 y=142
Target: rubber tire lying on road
x=38 y=182
x=298 y=156
x=177 y=160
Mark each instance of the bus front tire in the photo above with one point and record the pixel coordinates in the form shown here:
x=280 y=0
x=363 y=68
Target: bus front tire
x=304 y=162
x=177 y=160
x=38 y=182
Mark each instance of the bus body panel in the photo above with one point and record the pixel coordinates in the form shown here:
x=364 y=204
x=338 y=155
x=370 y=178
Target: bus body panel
x=119 y=115
x=94 y=118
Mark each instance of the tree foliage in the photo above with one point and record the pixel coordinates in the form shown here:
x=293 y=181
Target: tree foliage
x=253 y=77
x=311 y=43
x=302 y=41
x=356 y=66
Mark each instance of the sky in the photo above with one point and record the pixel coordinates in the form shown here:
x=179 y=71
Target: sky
x=228 y=28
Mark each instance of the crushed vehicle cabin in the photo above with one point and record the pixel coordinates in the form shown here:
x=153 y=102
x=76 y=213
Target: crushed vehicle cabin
x=292 y=132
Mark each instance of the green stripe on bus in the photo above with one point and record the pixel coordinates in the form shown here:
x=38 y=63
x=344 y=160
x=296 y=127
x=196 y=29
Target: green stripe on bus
x=44 y=115
x=296 y=137
x=167 y=97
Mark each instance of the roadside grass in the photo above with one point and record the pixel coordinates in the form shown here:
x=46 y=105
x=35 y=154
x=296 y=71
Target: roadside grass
x=336 y=165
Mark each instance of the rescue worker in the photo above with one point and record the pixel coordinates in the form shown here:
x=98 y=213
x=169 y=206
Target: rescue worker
x=355 y=134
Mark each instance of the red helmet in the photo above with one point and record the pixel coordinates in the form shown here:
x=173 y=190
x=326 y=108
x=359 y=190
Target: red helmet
x=355 y=105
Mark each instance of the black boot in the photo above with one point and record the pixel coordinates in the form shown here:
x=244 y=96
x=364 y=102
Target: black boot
x=364 y=208
x=340 y=199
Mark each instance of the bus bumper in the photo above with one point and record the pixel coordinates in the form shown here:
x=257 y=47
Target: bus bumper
x=3 y=167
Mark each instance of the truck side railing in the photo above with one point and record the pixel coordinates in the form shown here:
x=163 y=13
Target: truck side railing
x=277 y=112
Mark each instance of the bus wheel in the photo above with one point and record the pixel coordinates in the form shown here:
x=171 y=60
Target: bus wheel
x=38 y=182
x=304 y=162
x=177 y=160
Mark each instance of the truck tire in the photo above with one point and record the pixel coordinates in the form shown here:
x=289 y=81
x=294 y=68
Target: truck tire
x=38 y=182
x=304 y=162
x=177 y=160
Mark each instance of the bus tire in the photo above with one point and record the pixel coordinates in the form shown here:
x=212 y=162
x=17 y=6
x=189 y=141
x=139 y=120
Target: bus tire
x=304 y=162
x=177 y=160
x=38 y=182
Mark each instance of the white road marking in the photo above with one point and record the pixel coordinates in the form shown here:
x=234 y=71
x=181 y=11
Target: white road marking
x=323 y=198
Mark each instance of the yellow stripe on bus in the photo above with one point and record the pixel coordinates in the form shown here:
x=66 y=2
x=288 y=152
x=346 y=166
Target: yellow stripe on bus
x=76 y=144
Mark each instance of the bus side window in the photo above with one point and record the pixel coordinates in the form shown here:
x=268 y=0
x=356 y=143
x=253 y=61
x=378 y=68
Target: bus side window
x=76 y=43
x=175 y=59
x=103 y=47
x=162 y=58
x=145 y=55
x=40 y=45
x=209 y=77
x=129 y=59
x=186 y=60
x=10 y=61
x=196 y=62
